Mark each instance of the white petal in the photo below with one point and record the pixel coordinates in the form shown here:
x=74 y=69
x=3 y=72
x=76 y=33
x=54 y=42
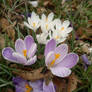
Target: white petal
x=34 y=3
x=26 y=24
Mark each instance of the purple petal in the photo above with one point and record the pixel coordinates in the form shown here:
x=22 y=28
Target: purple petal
x=37 y=84
x=69 y=61
x=60 y=71
x=50 y=46
x=31 y=60
x=19 y=58
x=85 y=59
x=62 y=50
x=7 y=54
x=32 y=50
x=28 y=41
x=19 y=89
x=19 y=46
x=49 y=87
x=49 y=58
x=19 y=81
x=19 y=84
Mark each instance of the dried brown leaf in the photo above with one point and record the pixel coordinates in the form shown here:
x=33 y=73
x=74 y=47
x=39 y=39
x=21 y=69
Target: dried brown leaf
x=31 y=75
x=72 y=83
x=6 y=27
x=60 y=84
x=2 y=41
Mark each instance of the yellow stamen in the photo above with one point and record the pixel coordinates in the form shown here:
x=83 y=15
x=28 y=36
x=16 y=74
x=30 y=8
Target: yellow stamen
x=62 y=28
x=57 y=56
x=34 y=24
x=46 y=26
x=25 y=52
x=28 y=88
x=57 y=37
x=53 y=61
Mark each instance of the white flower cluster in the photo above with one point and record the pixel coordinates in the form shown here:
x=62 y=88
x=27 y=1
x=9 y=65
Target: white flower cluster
x=50 y=27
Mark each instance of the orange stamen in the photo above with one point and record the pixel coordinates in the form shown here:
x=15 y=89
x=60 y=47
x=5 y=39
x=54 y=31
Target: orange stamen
x=62 y=28
x=29 y=89
x=25 y=52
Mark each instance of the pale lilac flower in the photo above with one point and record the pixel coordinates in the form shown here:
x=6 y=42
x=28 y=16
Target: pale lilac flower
x=58 y=60
x=22 y=85
x=24 y=51
x=33 y=22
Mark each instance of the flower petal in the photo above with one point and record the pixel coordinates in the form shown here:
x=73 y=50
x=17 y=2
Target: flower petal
x=66 y=23
x=50 y=16
x=34 y=3
x=69 y=61
x=20 y=46
x=19 y=84
x=19 y=58
x=61 y=71
x=50 y=46
x=43 y=17
x=31 y=60
x=28 y=42
x=49 y=58
x=69 y=29
x=49 y=87
x=36 y=84
x=7 y=54
x=32 y=50
x=62 y=50
x=28 y=25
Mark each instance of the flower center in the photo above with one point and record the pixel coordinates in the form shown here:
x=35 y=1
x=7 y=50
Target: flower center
x=25 y=52
x=53 y=61
x=62 y=28
x=34 y=24
x=57 y=37
x=46 y=26
x=28 y=88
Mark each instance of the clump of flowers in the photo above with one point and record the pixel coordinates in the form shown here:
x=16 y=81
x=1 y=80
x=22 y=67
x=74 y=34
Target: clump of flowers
x=57 y=58
x=51 y=28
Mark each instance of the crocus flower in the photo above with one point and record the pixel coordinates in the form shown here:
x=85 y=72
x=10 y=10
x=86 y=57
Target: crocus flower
x=58 y=60
x=24 y=51
x=48 y=88
x=86 y=61
x=61 y=30
x=34 y=3
x=42 y=38
x=47 y=22
x=22 y=85
x=33 y=22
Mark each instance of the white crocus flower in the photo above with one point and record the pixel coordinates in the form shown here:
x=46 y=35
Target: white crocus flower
x=42 y=38
x=47 y=22
x=33 y=22
x=61 y=30
x=34 y=3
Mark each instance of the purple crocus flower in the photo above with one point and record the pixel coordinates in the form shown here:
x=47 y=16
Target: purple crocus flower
x=58 y=60
x=22 y=85
x=24 y=51
x=86 y=61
